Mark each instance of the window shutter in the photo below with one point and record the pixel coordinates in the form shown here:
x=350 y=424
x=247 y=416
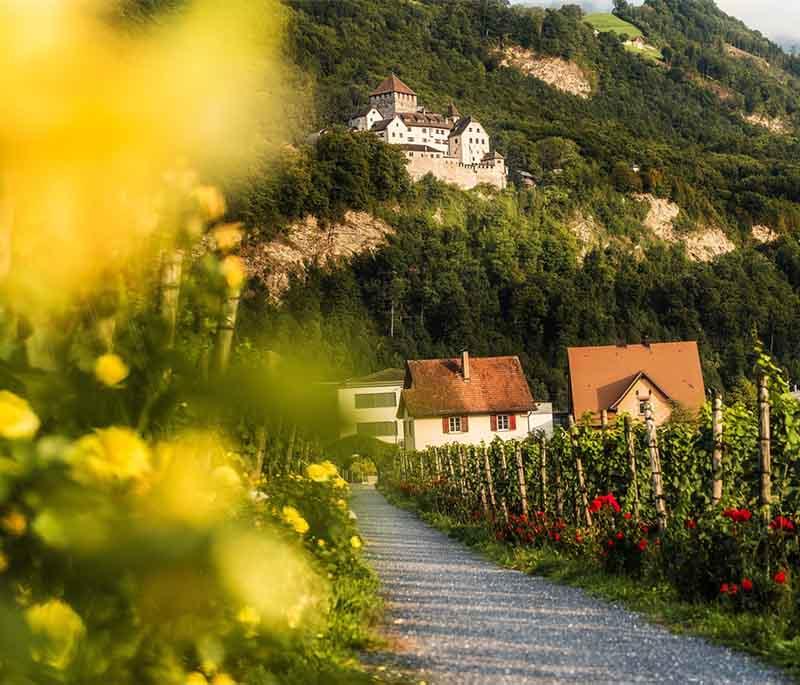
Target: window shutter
x=512 y=422
x=493 y=419
x=465 y=424
x=445 y=424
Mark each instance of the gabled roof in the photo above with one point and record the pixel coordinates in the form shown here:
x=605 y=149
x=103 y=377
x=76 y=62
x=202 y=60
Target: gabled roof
x=615 y=405
x=383 y=123
x=414 y=147
x=383 y=377
x=436 y=387
x=601 y=376
x=452 y=111
x=425 y=119
x=392 y=84
x=492 y=155
x=461 y=125
x=362 y=112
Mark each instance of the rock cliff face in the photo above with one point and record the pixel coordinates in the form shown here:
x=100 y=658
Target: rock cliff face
x=773 y=124
x=307 y=242
x=559 y=73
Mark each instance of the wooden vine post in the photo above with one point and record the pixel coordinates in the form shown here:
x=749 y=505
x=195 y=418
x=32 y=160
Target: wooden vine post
x=716 y=457
x=488 y=472
x=504 y=479
x=462 y=472
x=171 y=270
x=559 y=488
x=543 y=470
x=630 y=443
x=523 y=490
x=437 y=459
x=587 y=515
x=765 y=462
x=225 y=328
x=655 y=469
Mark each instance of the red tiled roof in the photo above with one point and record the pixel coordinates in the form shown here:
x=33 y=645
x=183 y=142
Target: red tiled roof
x=392 y=84
x=436 y=387
x=600 y=376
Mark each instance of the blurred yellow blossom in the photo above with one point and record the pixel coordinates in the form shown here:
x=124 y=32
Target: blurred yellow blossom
x=250 y=619
x=355 y=542
x=226 y=477
x=17 y=419
x=210 y=201
x=340 y=482
x=109 y=455
x=341 y=504
x=3 y=563
x=318 y=473
x=110 y=369
x=196 y=678
x=61 y=627
x=223 y=679
x=321 y=543
x=293 y=517
x=228 y=236
x=14 y=523
x=234 y=271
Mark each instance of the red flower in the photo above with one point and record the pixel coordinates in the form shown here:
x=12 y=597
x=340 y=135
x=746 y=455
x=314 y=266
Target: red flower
x=642 y=545
x=604 y=501
x=578 y=538
x=691 y=524
x=557 y=537
x=738 y=515
x=610 y=544
x=627 y=516
x=723 y=589
x=620 y=536
x=782 y=523
x=644 y=528
x=734 y=588
x=747 y=584
x=780 y=577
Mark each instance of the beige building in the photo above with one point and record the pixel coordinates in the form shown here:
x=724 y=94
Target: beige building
x=467 y=400
x=368 y=406
x=626 y=379
x=453 y=148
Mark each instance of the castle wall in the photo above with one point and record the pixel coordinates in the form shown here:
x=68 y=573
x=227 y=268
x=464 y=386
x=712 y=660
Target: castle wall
x=450 y=170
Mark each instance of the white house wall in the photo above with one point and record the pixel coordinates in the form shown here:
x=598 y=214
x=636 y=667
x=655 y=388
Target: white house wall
x=429 y=433
x=350 y=416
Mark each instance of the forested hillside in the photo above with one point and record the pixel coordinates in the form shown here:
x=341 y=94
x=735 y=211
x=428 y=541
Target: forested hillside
x=570 y=261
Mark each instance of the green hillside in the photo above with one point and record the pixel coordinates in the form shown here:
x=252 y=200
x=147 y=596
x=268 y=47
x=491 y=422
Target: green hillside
x=504 y=273
x=605 y=22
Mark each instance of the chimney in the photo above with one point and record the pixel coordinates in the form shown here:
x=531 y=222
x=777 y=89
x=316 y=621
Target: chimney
x=465 y=364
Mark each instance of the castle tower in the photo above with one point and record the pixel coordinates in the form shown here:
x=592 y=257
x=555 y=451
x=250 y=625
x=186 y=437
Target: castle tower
x=392 y=97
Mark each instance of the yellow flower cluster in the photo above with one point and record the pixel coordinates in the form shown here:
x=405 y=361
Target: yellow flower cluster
x=293 y=517
x=322 y=472
x=17 y=420
x=109 y=455
x=355 y=542
x=110 y=370
x=197 y=678
x=61 y=628
x=14 y=523
x=234 y=271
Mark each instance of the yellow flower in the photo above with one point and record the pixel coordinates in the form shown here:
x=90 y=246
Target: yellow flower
x=3 y=563
x=233 y=269
x=14 y=523
x=210 y=201
x=223 y=679
x=355 y=542
x=339 y=482
x=109 y=455
x=321 y=543
x=228 y=236
x=250 y=619
x=110 y=369
x=341 y=504
x=17 y=419
x=330 y=467
x=196 y=678
x=318 y=473
x=60 y=626
x=295 y=520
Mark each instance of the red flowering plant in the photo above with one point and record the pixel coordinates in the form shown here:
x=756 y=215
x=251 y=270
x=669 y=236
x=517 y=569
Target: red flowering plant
x=537 y=530
x=624 y=546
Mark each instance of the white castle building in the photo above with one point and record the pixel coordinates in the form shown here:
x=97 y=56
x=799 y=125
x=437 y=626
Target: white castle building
x=453 y=148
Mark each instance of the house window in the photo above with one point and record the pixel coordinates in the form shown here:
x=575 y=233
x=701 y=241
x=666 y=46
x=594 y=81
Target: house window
x=457 y=424
x=643 y=407
x=502 y=422
x=377 y=429
x=373 y=400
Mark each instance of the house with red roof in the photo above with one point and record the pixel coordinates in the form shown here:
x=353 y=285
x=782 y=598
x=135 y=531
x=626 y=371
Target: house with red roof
x=468 y=400
x=626 y=379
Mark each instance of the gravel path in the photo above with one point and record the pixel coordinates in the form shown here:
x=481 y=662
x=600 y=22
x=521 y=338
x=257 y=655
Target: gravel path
x=462 y=620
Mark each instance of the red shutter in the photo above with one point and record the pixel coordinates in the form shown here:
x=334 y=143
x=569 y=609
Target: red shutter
x=512 y=422
x=445 y=424
x=465 y=424
x=493 y=419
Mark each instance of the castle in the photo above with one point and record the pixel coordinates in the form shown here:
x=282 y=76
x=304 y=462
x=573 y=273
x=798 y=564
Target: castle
x=453 y=148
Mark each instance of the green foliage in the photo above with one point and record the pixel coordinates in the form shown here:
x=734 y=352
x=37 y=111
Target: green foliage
x=605 y=22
